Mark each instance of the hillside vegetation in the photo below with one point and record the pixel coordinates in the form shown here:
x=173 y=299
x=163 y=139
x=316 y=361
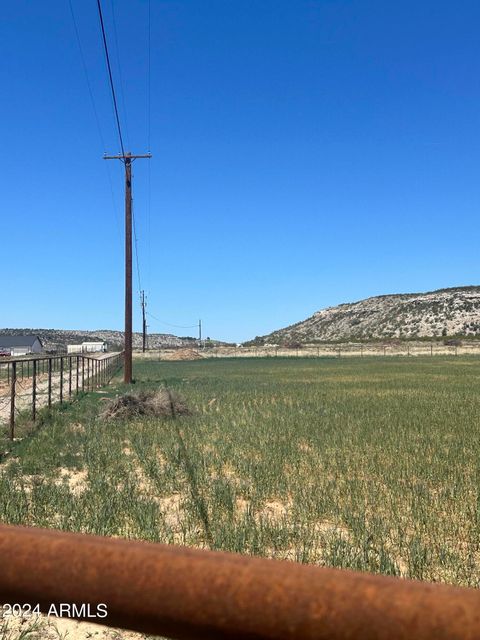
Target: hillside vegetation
x=446 y=312
x=58 y=339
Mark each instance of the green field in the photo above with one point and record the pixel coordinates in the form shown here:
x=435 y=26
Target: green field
x=367 y=464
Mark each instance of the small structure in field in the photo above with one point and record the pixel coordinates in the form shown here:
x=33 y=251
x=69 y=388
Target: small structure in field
x=99 y=346
x=20 y=345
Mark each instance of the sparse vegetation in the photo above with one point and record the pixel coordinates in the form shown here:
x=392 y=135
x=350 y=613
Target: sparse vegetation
x=372 y=465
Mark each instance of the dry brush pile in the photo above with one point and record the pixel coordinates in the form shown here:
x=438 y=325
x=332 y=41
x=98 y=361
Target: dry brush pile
x=158 y=403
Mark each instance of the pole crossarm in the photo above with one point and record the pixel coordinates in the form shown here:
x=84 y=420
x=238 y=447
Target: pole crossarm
x=127 y=156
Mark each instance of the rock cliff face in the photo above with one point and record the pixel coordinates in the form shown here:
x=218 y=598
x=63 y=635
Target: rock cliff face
x=446 y=312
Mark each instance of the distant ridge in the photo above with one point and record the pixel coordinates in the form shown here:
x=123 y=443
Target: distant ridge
x=57 y=339
x=434 y=314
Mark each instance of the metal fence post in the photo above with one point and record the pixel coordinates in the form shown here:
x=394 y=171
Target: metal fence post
x=61 y=379
x=76 y=377
x=34 y=390
x=83 y=372
x=50 y=382
x=13 y=384
x=69 y=376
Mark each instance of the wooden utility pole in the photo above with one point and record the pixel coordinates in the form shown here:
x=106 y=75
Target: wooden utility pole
x=200 y=332
x=127 y=161
x=144 y=324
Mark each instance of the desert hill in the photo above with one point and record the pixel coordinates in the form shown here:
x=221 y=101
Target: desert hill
x=441 y=313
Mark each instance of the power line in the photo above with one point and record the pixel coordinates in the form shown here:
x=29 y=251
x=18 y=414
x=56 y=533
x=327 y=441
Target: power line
x=84 y=64
x=136 y=247
x=177 y=326
x=107 y=57
x=149 y=117
x=129 y=218
x=95 y=112
x=122 y=91
x=149 y=74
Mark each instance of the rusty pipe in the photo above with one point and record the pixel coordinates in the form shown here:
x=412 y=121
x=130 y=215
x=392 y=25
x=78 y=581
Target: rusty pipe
x=189 y=593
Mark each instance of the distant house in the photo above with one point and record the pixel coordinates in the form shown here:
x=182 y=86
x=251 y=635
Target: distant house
x=20 y=345
x=88 y=347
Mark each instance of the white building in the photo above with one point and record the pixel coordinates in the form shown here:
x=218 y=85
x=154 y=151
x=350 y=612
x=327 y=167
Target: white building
x=88 y=347
x=20 y=345
x=92 y=347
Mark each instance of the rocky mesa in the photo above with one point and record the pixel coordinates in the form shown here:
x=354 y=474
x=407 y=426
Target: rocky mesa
x=435 y=314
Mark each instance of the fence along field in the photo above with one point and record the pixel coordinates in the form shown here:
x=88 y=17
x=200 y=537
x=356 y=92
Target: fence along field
x=366 y=464
x=28 y=384
x=341 y=350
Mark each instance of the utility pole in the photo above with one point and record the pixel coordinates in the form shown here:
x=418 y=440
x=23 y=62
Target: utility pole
x=200 y=333
x=127 y=161
x=144 y=325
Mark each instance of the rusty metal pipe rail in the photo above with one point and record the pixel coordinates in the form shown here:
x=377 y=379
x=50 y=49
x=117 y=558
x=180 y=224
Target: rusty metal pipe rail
x=187 y=593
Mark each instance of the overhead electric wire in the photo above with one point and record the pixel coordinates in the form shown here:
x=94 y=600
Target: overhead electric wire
x=85 y=69
x=122 y=92
x=149 y=173
x=136 y=249
x=149 y=67
x=117 y=117
x=177 y=326
x=109 y=68
x=95 y=112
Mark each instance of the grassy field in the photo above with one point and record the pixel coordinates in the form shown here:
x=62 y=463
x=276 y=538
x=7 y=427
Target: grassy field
x=367 y=464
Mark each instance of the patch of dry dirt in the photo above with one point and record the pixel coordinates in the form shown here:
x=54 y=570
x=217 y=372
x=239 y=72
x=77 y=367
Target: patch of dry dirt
x=42 y=627
x=183 y=354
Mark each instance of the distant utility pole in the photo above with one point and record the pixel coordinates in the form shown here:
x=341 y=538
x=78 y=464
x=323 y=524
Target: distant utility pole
x=200 y=332
x=144 y=325
x=127 y=161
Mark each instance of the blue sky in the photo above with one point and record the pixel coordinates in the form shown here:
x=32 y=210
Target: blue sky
x=305 y=153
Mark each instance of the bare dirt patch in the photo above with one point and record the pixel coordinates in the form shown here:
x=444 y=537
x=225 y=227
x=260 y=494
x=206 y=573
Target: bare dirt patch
x=183 y=354
x=76 y=480
x=42 y=627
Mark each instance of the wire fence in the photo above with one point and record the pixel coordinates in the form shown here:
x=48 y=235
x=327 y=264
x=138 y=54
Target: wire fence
x=333 y=350
x=346 y=350
x=28 y=384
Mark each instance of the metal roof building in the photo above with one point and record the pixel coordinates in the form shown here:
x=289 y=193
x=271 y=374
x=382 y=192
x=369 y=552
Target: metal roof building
x=20 y=345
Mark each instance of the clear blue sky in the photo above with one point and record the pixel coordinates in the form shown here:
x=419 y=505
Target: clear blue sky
x=305 y=154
